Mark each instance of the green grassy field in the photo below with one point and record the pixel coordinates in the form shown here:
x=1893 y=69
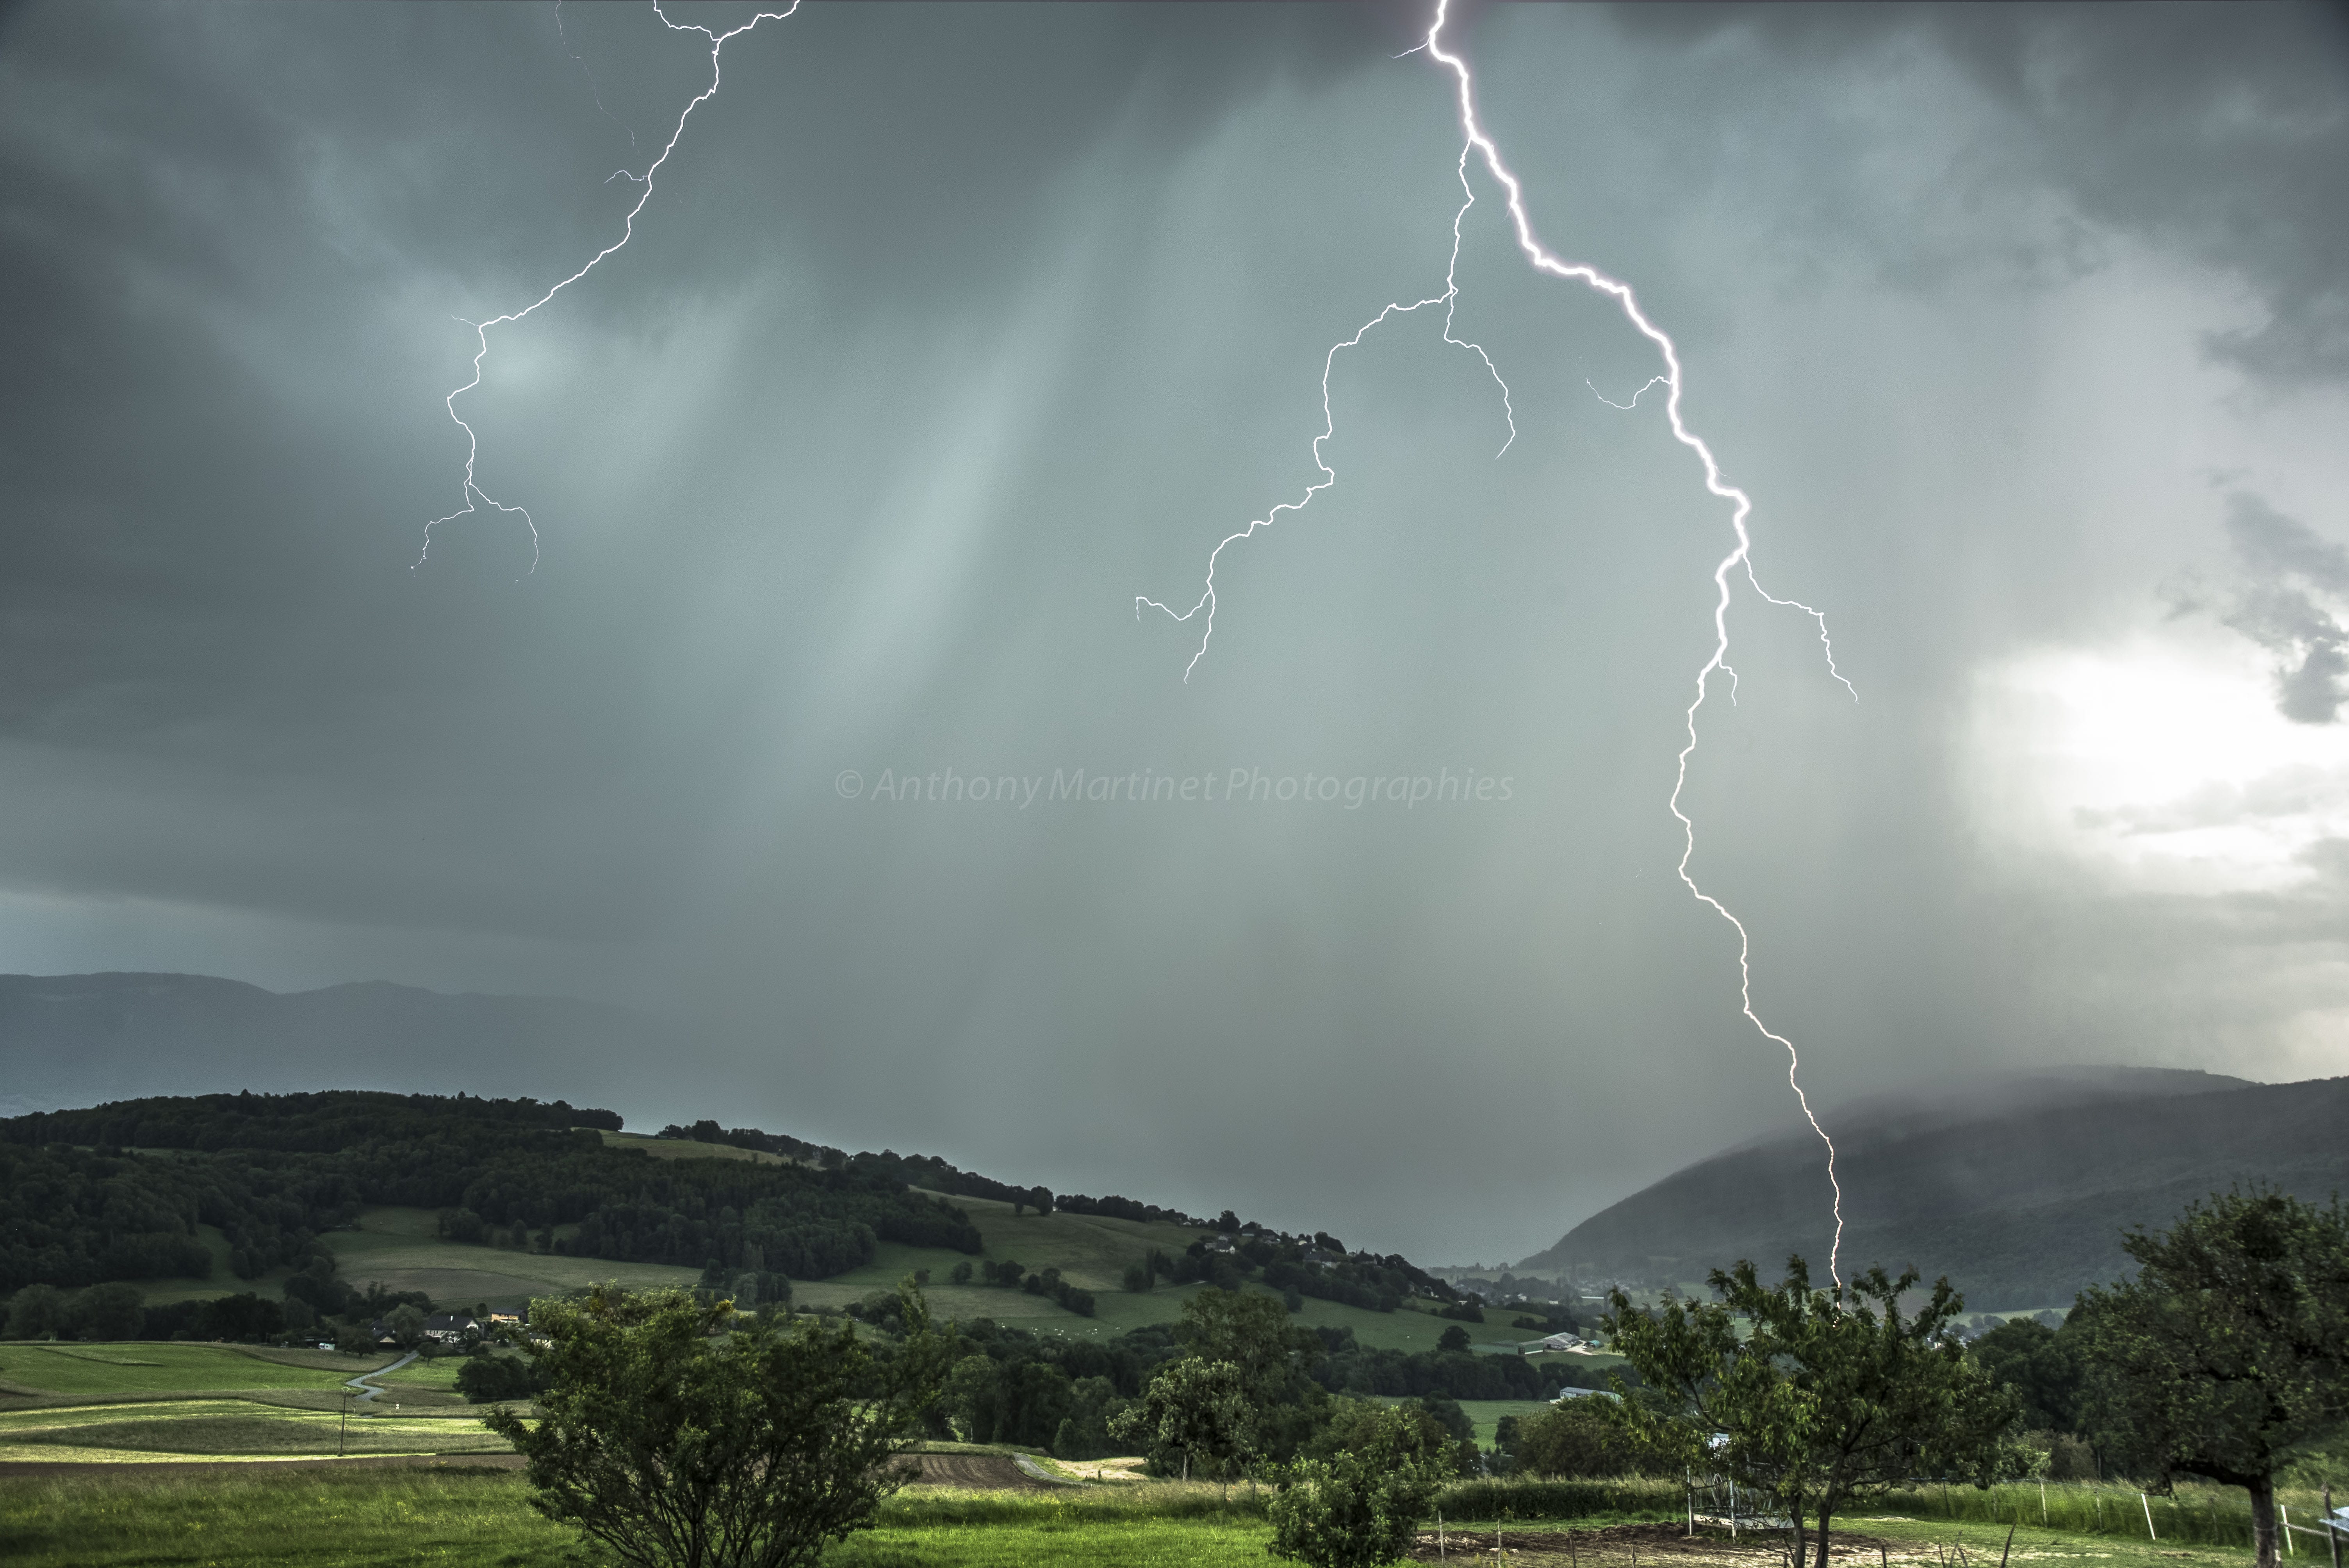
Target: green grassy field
x=133 y=1400
x=226 y=1428
x=137 y=1367
x=685 y=1149
x=261 y=1514
x=398 y=1248
x=1487 y=1413
x=256 y=1515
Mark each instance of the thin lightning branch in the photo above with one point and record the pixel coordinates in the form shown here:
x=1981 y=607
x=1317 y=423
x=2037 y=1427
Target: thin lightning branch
x=1739 y=557
x=1449 y=300
x=1651 y=381
x=472 y=490
x=593 y=90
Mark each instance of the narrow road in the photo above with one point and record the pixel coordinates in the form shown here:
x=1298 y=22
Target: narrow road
x=367 y=1391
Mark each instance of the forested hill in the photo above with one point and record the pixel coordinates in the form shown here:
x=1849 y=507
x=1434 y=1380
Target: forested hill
x=2019 y=1194
x=116 y=1193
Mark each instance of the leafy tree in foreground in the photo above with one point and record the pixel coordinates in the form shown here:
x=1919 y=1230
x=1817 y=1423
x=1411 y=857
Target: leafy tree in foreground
x=1193 y=1409
x=679 y=1445
x=2229 y=1347
x=1362 y=1505
x=1831 y=1396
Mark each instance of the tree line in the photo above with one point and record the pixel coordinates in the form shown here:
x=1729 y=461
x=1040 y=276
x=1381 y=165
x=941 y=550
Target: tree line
x=76 y=1215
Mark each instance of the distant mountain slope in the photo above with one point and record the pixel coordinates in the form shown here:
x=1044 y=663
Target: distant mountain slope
x=77 y=1040
x=2017 y=1191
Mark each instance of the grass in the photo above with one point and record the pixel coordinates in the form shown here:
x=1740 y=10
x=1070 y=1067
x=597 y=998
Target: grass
x=686 y=1149
x=223 y=1281
x=253 y=1515
x=1486 y=1414
x=151 y=1367
x=399 y=1247
x=247 y=1516
x=227 y=1428
x=2196 y=1515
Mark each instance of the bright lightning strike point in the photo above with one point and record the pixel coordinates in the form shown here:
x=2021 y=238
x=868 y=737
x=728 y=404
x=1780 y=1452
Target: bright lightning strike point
x=1476 y=141
x=472 y=490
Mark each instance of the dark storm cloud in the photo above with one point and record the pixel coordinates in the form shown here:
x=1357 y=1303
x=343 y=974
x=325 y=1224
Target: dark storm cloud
x=950 y=329
x=2219 y=129
x=2289 y=563
x=205 y=205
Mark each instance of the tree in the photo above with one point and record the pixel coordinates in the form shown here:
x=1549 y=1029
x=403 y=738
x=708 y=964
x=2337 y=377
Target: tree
x=1454 y=1338
x=1579 y=1438
x=1084 y=1433
x=112 y=1311
x=969 y=1398
x=1252 y=1331
x=486 y=1379
x=1193 y=1409
x=2231 y=1346
x=404 y=1323
x=37 y=1311
x=678 y=1444
x=2042 y=1364
x=1832 y=1396
x=1361 y=1504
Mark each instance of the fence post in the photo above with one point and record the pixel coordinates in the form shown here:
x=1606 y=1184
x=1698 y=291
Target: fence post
x=2285 y=1514
x=2150 y=1535
x=2331 y=1529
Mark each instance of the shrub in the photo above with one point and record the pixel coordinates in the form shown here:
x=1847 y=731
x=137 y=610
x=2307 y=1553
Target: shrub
x=1362 y=1504
x=673 y=1442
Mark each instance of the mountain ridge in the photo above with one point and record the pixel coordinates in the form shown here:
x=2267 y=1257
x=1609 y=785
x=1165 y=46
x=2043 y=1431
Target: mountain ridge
x=68 y=1040
x=2018 y=1207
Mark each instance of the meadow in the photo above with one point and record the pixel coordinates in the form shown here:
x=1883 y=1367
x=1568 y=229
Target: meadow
x=265 y=1514
x=400 y=1248
x=153 y=1401
x=142 y=1369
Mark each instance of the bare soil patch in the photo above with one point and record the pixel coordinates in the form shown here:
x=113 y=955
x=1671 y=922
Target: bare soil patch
x=976 y=1472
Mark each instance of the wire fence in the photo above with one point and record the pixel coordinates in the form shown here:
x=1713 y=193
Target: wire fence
x=2193 y=1514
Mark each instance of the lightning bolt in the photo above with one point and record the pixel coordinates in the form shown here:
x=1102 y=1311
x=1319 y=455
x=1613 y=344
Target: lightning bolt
x=472 y=491
x=1478 y=143
x=1448 y=299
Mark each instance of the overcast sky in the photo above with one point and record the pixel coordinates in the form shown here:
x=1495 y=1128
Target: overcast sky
x=947 y=331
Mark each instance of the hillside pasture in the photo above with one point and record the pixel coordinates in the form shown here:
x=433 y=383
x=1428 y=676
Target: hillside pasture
x=686 y=1149
x=227 y=1429
x=401 y=1248
x=134 y=1367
